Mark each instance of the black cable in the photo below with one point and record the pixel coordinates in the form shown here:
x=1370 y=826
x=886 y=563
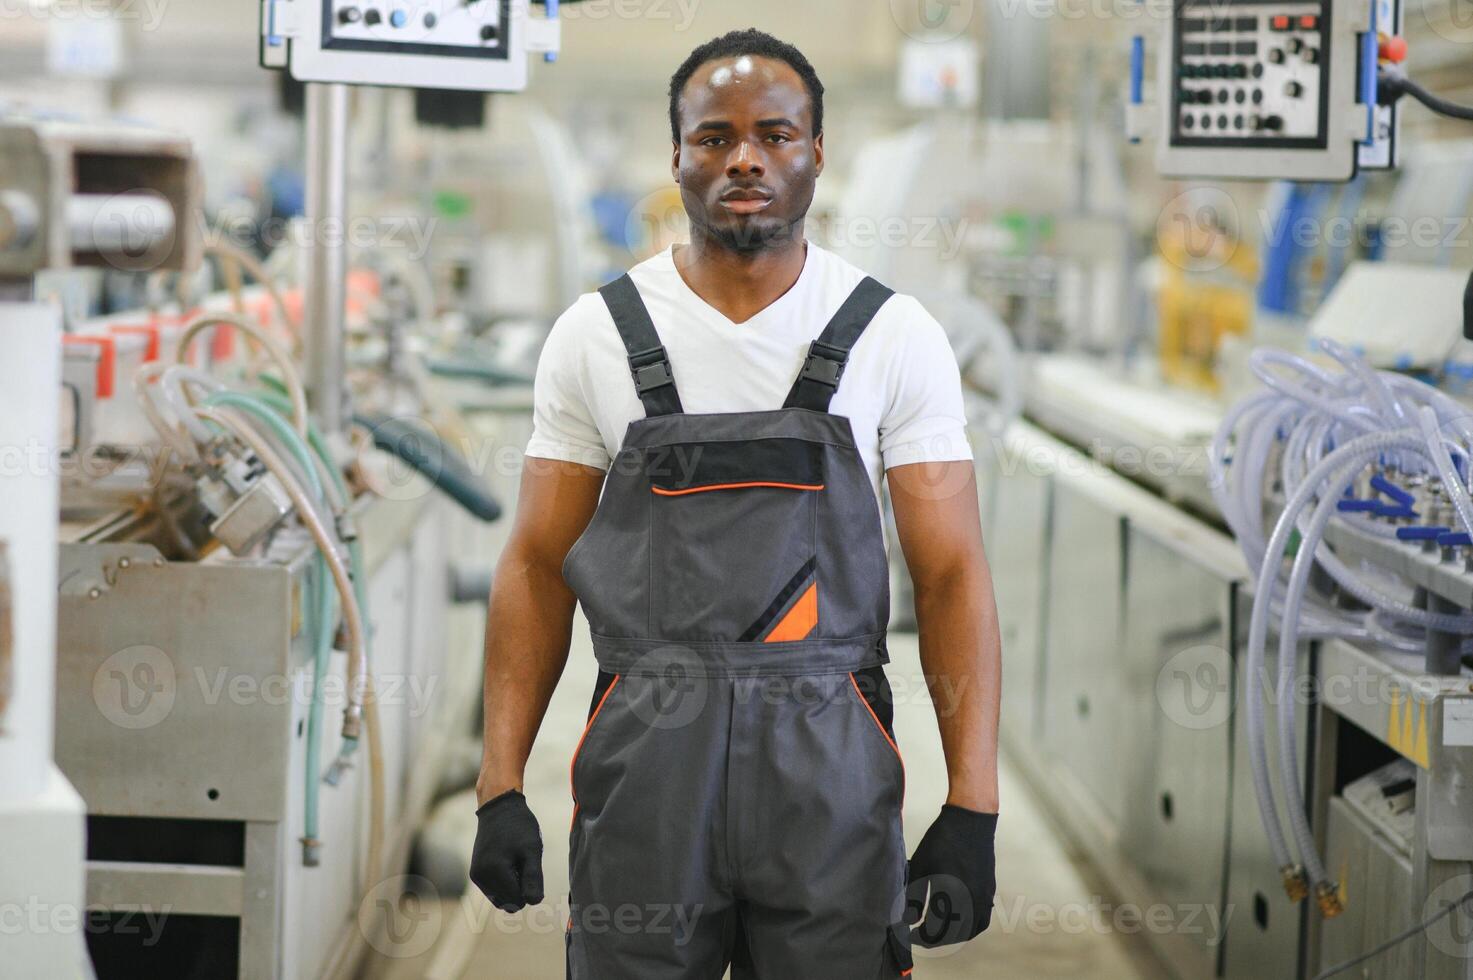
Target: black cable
x=1394 y=85
x=1396 y=940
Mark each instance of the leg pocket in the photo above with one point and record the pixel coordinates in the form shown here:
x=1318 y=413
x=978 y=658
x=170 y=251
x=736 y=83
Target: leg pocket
x=873 y=691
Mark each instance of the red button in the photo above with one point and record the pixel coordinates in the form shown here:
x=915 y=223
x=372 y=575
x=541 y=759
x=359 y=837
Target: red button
x=1280 y=22
x=1392 y=49
x=1309 y=22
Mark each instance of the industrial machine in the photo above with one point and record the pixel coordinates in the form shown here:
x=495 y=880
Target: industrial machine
x=259 y=675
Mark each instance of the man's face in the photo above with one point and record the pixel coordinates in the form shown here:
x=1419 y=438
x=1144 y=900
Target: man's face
x=747 y=158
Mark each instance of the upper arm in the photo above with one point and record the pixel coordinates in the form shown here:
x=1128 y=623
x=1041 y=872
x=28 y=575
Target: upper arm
x=555 y=502
x=924 y=418
x=937 y=519
x=566 y=457
x=564 y=425
x=923 y=442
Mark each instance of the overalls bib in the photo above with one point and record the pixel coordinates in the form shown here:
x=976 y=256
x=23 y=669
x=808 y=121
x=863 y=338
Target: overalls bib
x=738 y=787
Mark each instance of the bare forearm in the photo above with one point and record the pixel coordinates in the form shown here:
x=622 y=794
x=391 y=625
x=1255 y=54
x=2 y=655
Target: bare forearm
x=528 y=628
x=962 y=662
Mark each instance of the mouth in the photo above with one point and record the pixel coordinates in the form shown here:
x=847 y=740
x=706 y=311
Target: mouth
x=746 y=200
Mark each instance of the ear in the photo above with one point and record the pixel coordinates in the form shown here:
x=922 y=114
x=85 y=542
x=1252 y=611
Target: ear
x=818 y=154
x=675 y=160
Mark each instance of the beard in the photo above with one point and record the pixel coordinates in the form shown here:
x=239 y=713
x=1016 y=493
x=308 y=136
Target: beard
x=751 y=237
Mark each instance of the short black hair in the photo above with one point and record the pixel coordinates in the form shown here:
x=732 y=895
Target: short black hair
x=734 y=44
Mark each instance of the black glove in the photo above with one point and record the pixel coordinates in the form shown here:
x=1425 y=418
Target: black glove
x=955 y=862
x=506 y=862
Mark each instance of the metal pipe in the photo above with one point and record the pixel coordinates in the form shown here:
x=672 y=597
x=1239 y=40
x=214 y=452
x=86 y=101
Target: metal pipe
x=327 y=255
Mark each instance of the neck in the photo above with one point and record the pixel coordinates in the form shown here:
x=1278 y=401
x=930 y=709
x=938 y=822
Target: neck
x=739 y=284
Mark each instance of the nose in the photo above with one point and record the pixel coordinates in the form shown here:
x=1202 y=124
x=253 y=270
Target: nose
x=745 y=161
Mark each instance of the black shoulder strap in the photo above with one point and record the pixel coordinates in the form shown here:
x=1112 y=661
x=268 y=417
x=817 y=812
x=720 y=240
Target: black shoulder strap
x=648 y=362
x=824 y=365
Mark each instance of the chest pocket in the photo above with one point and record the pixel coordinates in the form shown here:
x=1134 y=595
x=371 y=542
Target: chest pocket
x=733 y=529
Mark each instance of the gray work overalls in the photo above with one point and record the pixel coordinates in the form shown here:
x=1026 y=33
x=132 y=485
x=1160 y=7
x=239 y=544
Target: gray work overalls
x=737 y=790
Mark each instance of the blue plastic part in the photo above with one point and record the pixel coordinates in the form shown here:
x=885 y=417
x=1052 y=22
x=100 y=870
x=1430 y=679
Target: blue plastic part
x=398 y=18
x=1420 y=533
x=1369 y=57
x=551 y=56
x=1455 y=539
x=1137 y=68
x=1391 y=490
x=1387 y=510
x=1357 y=505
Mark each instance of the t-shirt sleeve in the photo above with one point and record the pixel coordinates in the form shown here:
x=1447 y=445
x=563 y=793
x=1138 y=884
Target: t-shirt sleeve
x=563 y=425
x=926 y=419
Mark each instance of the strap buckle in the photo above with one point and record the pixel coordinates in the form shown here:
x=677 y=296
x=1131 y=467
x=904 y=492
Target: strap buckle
x=651 y=369
x=824 y=364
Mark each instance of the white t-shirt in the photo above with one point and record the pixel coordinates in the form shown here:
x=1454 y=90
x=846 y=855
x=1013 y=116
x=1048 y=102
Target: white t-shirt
x=901 y=388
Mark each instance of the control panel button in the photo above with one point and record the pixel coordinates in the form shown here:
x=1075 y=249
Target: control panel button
x=1276 y=56
x=1240 y=71
x=489 y=33
x=1309 y=22
x=398 y=18
x=1293 y=90
x=1279 y=22
x=349 y=15
x=1295 y=45
x=1392 y=49
x=372 y=17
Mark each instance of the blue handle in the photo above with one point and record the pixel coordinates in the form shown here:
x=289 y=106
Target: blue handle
x=1420 y=533
x=1357 y=505
x=1455 y=539
x=1137 y=67
x=551 y=56
x=1391 y=490
x=1387 y=510
x=1369 y=56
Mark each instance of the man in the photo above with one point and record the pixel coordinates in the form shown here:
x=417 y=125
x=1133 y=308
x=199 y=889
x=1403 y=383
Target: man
x=739 y=778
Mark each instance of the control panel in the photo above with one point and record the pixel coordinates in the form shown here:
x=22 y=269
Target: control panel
x=1250 y=78
x=1264 y=89
x=477 y=45
x=463 y=29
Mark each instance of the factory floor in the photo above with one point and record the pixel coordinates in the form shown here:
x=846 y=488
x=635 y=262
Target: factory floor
x=1036 y=926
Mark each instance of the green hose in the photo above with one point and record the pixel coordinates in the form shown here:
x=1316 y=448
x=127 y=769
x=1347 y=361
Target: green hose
x=321 y=598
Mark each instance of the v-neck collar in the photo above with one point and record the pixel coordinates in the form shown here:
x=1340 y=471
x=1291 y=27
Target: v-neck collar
x=768 y=311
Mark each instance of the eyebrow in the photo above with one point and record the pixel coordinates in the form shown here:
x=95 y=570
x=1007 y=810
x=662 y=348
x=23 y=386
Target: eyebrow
x=774 y=123
x=710 y=124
